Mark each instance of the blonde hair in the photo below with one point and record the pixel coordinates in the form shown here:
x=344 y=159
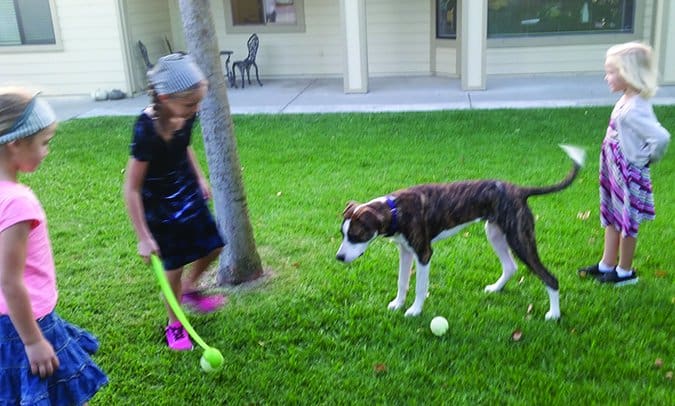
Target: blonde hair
x=635 y=63
x=13 y=102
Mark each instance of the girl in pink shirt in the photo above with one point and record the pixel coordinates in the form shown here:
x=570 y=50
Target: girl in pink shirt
x=43 y=359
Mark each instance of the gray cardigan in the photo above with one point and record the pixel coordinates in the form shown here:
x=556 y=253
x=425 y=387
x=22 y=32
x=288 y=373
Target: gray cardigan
x=642 y=138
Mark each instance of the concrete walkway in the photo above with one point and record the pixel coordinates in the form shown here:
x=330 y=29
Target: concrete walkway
x=385 y=95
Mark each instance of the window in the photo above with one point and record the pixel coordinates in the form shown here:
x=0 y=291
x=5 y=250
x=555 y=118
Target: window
x=446 y=19
x=524 y=18
x=26 y=22
x=264 y=15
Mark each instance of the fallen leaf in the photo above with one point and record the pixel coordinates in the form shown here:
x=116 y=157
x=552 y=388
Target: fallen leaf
x=529 y=308
x=278 y=193
x=658 y=363
x=584 y=215
x=669 y=375
x=522 y=278
x=660 y=273
x=516 y=335
x=380 y=369
x=295 y=264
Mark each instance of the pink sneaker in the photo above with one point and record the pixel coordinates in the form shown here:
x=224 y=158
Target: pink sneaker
x=201 y=302
x=177 y=338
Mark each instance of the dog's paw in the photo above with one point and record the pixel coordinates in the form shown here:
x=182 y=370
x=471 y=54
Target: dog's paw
x=395 y=304
x=413 y=311
x=552 y=315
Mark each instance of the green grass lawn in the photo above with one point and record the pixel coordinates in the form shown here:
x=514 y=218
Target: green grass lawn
x=318 y=331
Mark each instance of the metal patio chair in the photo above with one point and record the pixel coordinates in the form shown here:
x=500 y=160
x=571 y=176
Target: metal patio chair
x=144 y=54
x=246 y=64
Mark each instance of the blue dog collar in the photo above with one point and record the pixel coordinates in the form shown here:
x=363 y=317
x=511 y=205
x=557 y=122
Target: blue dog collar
x=393 y=225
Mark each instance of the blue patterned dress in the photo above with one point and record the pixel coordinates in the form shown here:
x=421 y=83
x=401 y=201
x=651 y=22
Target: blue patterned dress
x=175 y=209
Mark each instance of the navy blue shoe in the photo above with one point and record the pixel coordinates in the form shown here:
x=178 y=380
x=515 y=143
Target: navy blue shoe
x=614 y=278
x=592 y=271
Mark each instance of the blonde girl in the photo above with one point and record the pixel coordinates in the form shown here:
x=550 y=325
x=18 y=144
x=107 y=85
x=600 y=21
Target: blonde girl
x=634 y=140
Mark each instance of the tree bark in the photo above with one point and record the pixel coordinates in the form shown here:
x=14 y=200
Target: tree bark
x=239 y=261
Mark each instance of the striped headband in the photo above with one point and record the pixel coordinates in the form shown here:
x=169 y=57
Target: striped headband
x=37 y=116
x=175 y=73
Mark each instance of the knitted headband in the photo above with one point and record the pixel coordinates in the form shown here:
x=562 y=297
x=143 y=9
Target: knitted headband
x=36 y=117
x=175 y=73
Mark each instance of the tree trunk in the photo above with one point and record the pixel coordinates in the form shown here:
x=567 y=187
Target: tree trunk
x=239 y=261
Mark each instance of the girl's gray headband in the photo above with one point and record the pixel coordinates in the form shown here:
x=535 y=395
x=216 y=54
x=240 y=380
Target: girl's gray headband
x=175 y=73
x=37 y=116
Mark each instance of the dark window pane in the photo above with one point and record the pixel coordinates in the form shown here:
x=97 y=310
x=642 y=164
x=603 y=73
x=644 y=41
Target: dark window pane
x=507 y=18
x=26 y=22
x=446 y=18
x=36 y=22
x=264 y=12
x=247 y=12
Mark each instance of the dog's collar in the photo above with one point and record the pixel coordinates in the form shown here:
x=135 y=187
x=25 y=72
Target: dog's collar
x=393 y=224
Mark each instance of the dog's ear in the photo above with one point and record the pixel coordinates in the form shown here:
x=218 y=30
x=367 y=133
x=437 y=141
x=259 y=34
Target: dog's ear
x=349 y=210
x=371 y=219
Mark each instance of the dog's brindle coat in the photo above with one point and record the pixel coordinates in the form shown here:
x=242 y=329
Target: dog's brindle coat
x=418 y=216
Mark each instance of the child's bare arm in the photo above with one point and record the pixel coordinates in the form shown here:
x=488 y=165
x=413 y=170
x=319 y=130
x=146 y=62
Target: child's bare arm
x=13 y=242
x=203 y=182
x=133 y=183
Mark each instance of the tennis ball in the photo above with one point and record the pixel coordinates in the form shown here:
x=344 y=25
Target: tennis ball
x=439 y=325
x=213 y=358
x=206 y=367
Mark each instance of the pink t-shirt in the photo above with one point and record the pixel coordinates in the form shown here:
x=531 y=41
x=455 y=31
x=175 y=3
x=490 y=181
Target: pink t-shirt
x=18 y=203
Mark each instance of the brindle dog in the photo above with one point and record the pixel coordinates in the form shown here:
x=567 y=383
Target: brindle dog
x=416 y=217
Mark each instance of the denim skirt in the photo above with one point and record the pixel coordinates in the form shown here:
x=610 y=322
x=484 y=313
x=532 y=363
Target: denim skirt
x=76 y=380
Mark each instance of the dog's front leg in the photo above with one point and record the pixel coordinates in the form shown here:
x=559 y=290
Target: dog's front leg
x=497 y=239
x=421 y=289
x=405 y=257
x=554 y=310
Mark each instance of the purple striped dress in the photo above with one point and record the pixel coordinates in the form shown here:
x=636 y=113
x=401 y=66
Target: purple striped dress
x=626 y=198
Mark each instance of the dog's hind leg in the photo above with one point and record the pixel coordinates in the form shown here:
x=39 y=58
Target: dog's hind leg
x=501 y=247
x=421 y=289
x=523 y=243
x=405 y=258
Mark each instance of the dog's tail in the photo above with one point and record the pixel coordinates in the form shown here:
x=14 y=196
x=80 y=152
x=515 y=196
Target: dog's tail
x=578 y=156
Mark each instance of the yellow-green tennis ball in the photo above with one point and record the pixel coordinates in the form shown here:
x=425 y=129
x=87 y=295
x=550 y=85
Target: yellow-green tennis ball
x=213 y=357
x=439 y=325
x=206 y=367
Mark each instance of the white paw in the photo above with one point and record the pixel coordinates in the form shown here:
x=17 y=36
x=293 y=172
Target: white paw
x=552 y=315
x=395 y=304
x=413 y=311
x=493 y=288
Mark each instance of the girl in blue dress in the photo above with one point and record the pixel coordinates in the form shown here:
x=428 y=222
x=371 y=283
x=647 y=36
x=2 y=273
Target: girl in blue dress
x=166 y=192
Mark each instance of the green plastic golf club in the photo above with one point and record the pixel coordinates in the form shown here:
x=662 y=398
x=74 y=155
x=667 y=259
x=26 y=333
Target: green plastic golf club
x=212 y=355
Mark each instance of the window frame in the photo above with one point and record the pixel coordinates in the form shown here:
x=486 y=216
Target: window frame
x=299 y=25
x=56 y=46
